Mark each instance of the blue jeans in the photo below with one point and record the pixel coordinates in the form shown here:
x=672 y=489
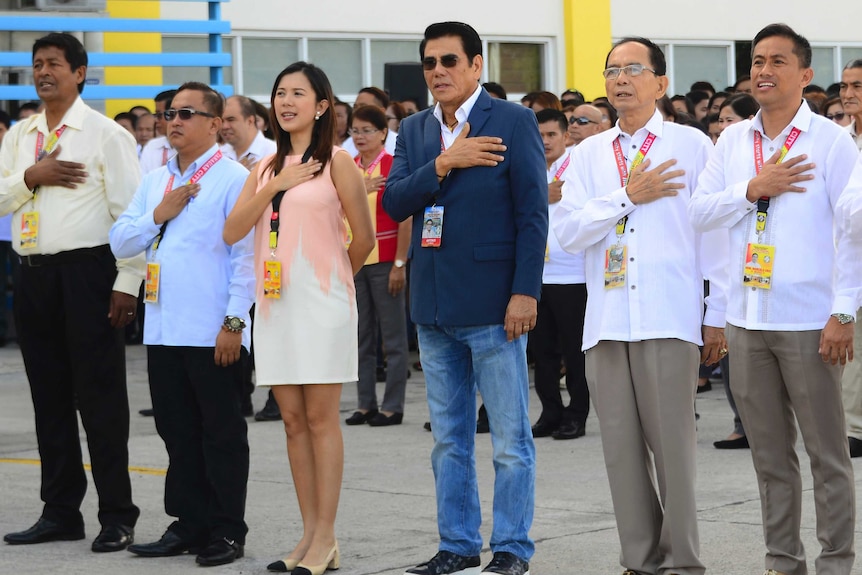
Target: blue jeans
x=455 y=360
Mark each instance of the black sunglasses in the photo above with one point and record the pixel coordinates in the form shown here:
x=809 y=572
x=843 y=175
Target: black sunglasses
x=448 y=61
x=581 y=120
x=836 y=117
x=184 y=114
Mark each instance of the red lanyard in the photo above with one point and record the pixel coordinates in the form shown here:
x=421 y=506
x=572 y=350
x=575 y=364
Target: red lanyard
x=562 y=169
x=370 y=169
x=41 y=149
x=193 y=180
x=763 y=203
x=639 y=157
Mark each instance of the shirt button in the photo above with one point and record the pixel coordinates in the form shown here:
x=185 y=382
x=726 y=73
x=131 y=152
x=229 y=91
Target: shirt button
x=634 y=287
x=771 y=149
x=631 y=259
x=754 y=289
x=623 y=205
x=634 y=147
x=632 y=230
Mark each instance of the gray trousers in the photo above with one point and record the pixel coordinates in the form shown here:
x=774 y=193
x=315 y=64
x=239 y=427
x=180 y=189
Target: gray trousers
x=376 y=305
x=776 y=375
x=851 y=385
x=644 y=398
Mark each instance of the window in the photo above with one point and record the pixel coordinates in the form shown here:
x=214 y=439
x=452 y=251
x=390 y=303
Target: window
x=849 y=53
x=383 y=51
x=823 y=63
x=262 y=60
x=519 y=67
x=342 y=62
x=193 y=44
x=695 y=63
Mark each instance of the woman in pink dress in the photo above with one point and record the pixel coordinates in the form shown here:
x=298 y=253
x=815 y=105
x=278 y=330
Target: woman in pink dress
x=305 y=329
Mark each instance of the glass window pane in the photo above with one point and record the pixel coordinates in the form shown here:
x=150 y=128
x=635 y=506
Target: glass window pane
x=342 y=62
x=262 y=60
x=848 y=54
x=383 y=51
x=193 y=44
x=519 y=67
x=823 y=62
x=696 y=63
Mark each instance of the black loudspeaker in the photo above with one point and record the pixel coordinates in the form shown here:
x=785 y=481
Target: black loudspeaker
x=405 y=80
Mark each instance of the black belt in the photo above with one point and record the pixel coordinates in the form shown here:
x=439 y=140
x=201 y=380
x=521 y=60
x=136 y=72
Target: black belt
x=78 y=256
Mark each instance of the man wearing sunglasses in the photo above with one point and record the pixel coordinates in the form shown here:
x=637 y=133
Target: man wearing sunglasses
x=477 y=165
x=66 y=175
x=198 y=294
x=625 y=200
x=586 y=121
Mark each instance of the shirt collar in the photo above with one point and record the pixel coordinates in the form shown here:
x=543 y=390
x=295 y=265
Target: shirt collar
x=654 y=125
x=73 y=118
x=802 y=120
x=174 y=167
x=559 y=162
x=462 y=113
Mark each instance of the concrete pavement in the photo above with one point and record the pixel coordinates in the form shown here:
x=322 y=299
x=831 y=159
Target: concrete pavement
x=386 y=519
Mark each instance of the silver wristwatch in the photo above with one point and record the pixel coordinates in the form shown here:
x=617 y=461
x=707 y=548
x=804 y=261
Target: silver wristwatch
x=843 y=318
x=234 y=324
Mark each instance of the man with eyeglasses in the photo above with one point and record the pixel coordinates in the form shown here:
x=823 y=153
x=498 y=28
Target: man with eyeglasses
x=198 y=294
x=850 y=92
x=625 y=200
x=158 y=151
x=474 y=165
x=66 y=175
x=586 y=121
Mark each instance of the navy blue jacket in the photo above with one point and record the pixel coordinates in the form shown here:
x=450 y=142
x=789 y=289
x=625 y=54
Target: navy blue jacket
x=495 y=221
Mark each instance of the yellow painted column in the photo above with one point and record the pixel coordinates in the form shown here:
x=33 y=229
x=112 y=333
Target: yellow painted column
x=587 y=41
x=132 y=42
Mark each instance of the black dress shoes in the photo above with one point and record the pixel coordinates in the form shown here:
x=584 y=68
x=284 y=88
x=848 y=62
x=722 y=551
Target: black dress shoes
x=270 y=411
x=169 y=545
x=543 y=429
x=219 y=552
x=358 y=418
x=381 y=420
x=113 y=538
x=855 y=447
x=738 y=443
x=147 y=412
x=43 y=531
x=572 y=430
x=507 y=564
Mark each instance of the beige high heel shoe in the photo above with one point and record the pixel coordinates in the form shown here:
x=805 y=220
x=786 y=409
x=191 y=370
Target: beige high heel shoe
x=333 y=561
x=285 y=565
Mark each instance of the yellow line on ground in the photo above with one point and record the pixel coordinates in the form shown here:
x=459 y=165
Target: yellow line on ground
x=132 y=468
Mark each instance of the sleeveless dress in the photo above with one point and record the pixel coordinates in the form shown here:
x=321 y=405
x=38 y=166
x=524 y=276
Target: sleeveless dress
x=309 y=335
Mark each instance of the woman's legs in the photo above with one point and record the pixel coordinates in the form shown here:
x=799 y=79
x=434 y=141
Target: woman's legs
x=316 y=453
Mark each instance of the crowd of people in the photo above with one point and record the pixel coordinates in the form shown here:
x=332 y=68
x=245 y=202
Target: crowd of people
x=640 y=241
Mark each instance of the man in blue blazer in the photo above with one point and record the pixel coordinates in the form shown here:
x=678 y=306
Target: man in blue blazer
x=471 y=172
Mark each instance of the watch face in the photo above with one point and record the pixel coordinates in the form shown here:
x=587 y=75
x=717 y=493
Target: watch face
x=235 y=323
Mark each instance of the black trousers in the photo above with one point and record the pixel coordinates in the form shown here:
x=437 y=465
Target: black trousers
x=197 y=412
x=559 y=334
x=71 y=353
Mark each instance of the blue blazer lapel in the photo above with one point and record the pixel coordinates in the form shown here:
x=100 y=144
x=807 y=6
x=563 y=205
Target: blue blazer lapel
x=480 y=113
x=431 y=137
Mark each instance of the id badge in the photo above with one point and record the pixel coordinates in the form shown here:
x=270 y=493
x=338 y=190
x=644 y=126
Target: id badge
x=432 y=227
x=29 y=229
x=757 y=272
x=615 y=267
x=151 y=287
x=547 y=252
x=272 y=279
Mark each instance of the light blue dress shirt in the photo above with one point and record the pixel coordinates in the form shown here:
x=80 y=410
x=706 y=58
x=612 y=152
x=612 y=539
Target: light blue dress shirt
x=202 y=278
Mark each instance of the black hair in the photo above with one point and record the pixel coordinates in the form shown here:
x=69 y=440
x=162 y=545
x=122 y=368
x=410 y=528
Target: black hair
x=496 y=89
x=857 y=63
x=374 y=115
x=167 y=97
x=72 y=48
x=689 y=106
x=552 y=115
x=470 y=40
x=608 y=108
x=801 y=46
x=378 y=94
x=703 y=86
x=5 y=119
x=213 y=101
x=697 y=96
x=743 y=105
x=127 y=116
x=656 y=56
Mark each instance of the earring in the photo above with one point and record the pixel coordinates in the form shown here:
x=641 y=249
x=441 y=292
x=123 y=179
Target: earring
x=317 y=116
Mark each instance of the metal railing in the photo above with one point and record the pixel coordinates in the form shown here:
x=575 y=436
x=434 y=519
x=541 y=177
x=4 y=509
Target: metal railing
x=215 y=60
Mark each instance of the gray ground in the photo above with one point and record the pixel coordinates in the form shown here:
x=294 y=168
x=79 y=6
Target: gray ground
x=386 y=519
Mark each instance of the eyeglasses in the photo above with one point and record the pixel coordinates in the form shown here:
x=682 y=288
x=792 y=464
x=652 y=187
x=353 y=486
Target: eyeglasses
x=362 y=132
x=184 y=114
x=447 y=60
x=631 y=70
x=580 y=121
x=836 y=117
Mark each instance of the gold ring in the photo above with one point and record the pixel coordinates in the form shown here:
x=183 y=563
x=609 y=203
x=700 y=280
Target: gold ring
x=723 y=351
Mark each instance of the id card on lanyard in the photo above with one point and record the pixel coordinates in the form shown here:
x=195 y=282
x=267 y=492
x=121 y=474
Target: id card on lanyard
x=154 y=271
x=29 y=237
x=616 y=255
x=760 y=257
